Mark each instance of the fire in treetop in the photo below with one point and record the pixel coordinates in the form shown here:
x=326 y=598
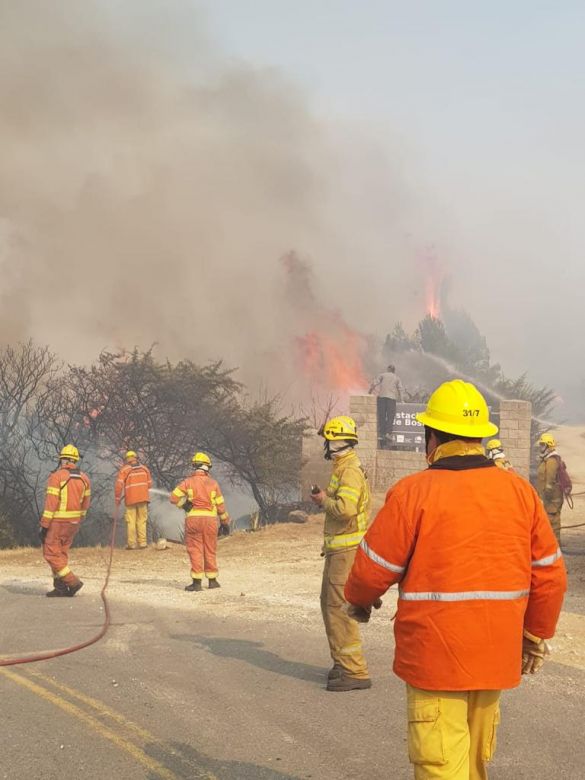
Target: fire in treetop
x=434 y=276
x=333 y=363
x=330 y=354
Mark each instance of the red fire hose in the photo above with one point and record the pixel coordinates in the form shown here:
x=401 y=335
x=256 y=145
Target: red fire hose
x=28 y=659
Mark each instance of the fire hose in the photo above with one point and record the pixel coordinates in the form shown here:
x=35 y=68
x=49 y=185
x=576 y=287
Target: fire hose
x=45 y=656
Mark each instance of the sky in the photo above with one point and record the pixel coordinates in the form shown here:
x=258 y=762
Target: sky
x=162 y=157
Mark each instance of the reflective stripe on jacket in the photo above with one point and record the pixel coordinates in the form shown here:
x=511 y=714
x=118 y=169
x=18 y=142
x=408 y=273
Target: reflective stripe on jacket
x=204 y=493
x=477 y=562
x=67 y=496
x=133 y=484
x=347 y=504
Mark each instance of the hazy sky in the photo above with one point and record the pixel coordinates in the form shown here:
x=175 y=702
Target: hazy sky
x=484 y=102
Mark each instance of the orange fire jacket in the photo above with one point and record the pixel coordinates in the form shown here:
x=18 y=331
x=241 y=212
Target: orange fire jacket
x=67 y=496
x=476 y=561
x=133 y=483
x=204 y=493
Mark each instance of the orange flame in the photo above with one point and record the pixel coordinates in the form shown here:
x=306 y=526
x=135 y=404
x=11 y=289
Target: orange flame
x=434 y=279
x=333 y=364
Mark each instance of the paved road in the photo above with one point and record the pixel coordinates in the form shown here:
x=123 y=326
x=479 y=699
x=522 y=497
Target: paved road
x=171 y=695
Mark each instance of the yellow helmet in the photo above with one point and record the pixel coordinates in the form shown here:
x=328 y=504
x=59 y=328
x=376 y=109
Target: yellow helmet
x=459 y=408
x=339 y=428
x=201 y=459
x=493 y=444
x=548 y=439
x=70 y=452
x=130 y=454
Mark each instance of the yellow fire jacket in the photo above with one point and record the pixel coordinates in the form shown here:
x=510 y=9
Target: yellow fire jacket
x=547 y=484
x=347 y=504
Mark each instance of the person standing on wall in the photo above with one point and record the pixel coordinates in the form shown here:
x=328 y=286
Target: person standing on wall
x=481 y=585
x=389 y=389
x=133 y=485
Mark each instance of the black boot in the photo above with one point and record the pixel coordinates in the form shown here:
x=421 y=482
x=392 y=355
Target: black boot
x=213 y=583
x=59 y=589
x=194 y=587
x=335 y=672
x=347 y=683
x=72 y=589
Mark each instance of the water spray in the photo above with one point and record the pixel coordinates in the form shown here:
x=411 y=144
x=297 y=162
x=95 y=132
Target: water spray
x=482 y=386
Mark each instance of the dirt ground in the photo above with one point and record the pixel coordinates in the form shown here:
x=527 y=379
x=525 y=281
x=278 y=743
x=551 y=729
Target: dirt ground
x=272 y=574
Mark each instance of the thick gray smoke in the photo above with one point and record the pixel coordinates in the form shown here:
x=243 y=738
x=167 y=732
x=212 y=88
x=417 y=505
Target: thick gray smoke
x=150 y=188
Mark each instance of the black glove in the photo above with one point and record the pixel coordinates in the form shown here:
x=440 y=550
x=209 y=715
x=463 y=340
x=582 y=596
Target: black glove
x=224 y=529
x=187 y=506
x=43 y=534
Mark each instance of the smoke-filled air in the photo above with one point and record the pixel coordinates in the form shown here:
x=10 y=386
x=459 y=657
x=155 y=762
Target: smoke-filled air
x=151 y=188
x=159 y=190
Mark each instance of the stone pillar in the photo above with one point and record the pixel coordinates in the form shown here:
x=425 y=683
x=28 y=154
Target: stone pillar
x=364 y=411
x=515 y=422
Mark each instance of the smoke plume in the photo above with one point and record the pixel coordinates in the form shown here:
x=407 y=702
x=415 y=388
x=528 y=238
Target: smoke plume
x=150 y=186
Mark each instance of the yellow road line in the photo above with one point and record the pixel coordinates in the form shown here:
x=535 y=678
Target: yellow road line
x=97 y=705
x=71 y=709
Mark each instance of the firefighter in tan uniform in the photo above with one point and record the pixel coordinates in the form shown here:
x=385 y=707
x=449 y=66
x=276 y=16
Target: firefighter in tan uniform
x=495 y=452
x=346 y=503
x=547 y=482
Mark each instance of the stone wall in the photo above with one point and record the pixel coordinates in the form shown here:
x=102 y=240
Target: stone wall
x=515 y=421
x=385 y=467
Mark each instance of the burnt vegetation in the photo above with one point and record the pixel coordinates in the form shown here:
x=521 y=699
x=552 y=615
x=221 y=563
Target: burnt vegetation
x=164 y=410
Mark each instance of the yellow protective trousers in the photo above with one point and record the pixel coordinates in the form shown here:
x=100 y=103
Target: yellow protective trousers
x=555 y=521
x=451 y=734
x=136 y=517
x=343 y=633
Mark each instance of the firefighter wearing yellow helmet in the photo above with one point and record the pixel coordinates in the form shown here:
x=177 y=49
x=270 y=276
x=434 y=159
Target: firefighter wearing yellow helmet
x=199 y=496
x=547 y=481
x=133 y=485
x=481 y=583
x=495 y=452
x=346 y=503
x=67 y=500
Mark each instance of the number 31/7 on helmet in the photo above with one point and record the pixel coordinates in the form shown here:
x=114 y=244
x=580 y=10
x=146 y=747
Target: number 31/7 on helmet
x=457 y=407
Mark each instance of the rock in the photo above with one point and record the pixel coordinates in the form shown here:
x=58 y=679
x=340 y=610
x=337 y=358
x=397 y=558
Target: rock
x=297 y=516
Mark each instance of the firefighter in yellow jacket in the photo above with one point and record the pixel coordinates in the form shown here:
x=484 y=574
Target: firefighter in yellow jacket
x=495 y=451
x=346 y=503
x=548 y=486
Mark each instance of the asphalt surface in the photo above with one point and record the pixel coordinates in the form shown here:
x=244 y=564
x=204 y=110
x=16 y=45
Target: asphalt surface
x=170 y=694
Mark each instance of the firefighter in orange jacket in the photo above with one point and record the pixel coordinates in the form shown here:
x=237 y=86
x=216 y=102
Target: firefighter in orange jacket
x=133 y=485
x=66 y=503
x=481 y=584
x=200 y=497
